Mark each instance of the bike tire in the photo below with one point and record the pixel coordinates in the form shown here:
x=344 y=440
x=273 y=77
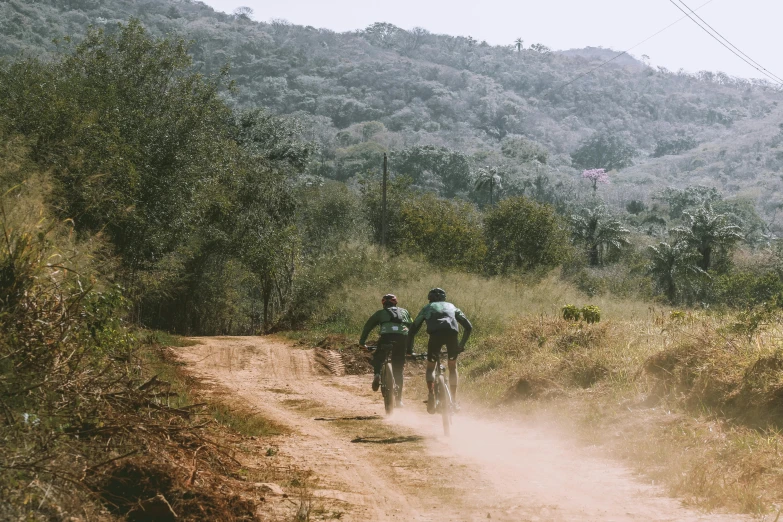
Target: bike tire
x=387 y=381
x=444 y=397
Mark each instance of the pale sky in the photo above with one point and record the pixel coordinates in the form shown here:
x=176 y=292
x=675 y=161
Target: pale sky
x=752 y=25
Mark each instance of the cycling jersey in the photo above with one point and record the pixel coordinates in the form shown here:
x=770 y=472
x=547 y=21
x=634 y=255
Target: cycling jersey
x=392 y=320
x=442 y=316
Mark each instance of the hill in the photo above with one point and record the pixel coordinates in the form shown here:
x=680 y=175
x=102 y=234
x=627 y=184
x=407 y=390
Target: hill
x=384 y=88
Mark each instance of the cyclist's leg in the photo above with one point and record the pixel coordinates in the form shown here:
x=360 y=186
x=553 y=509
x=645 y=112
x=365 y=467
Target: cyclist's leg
x=398 y=364
x=433 y=348
x=398 y=359
x=452 y=345
x=378 y=358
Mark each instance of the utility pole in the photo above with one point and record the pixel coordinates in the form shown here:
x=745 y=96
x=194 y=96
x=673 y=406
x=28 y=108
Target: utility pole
x=384 y=226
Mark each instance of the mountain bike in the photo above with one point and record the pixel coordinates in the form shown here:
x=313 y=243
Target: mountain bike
x=443 y=401
x=389 y=388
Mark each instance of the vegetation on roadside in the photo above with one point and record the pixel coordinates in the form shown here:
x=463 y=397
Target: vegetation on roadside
x=136 y=195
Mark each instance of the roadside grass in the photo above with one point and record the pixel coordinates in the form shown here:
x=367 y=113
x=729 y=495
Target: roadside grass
x=693 y=402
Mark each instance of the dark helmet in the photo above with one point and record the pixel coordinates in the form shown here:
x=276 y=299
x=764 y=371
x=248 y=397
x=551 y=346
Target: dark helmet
x=389 y=300
x=436 y=294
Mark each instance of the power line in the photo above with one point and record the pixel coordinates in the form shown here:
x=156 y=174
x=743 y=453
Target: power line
x=759 y=69
x=627 y=50
x=731 y=44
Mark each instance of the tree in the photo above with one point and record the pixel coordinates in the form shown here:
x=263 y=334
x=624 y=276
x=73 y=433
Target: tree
x=599 y=232
x=445 y=170
x=604 y=151
x=524 y=235
x=710 y=233
x=243 y=12
x=519 y=44
x=540 y=48
x=382 y=34
x=596 y=176
x=674 y=268
x=488 y=179
x=680 y=200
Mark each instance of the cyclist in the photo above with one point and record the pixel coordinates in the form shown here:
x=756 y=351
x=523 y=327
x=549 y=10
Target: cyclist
x=443 y=321
x=395 y=323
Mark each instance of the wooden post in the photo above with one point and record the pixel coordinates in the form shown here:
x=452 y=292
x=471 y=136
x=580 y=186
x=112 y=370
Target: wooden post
x=384 y=226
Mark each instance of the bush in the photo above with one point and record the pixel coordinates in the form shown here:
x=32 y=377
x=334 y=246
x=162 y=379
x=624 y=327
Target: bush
x=524 y=235
x=747 y=289
x=571 y=312
x=446 y=233
x=591 y=314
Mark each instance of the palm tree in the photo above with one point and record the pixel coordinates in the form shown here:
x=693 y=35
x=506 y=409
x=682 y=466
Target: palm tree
x=708 y=232
x=488 y=178
x=518 y=44
x=674 y=268
x=599 y=232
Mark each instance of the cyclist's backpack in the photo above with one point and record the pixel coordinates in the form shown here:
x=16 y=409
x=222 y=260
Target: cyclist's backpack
x=396 y=316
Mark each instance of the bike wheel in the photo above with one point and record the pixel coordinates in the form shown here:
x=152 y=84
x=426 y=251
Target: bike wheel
x=387 y=381
x=444 y=397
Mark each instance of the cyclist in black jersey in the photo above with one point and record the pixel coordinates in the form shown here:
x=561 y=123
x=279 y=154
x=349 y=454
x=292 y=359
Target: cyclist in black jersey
x=395 y=323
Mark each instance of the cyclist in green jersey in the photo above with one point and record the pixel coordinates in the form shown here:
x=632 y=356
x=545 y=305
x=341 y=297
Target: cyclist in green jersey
x=394 y=323
x=443 y=321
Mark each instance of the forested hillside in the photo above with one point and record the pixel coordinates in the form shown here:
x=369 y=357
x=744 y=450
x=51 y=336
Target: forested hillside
x=447 y=105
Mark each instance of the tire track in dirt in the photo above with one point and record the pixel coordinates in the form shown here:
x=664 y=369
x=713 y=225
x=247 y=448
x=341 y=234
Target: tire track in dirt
x=405 y=469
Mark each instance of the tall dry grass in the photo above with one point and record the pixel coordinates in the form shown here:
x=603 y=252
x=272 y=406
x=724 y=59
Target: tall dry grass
x=691 y=399
x=492 y=304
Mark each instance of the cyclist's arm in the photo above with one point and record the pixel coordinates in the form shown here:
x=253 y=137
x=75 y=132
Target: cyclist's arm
x=371 y=323
x=414 y=329
x=466 y=327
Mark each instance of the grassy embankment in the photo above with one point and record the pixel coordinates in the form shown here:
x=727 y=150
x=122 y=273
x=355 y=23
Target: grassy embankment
x=689 y=399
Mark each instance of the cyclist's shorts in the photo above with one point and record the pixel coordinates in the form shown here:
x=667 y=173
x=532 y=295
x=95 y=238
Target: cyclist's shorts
x=448 y=338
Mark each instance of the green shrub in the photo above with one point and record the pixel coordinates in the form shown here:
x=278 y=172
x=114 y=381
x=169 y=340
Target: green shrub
x=524 y=235
x=571 y=312
x=591 y=314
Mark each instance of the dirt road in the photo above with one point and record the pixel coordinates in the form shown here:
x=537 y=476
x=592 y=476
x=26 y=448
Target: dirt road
x=402 y=468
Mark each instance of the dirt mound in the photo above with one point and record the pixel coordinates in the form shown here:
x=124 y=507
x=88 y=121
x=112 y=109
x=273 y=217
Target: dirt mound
x=355 y=360
x=143 y=490
x=531 y=387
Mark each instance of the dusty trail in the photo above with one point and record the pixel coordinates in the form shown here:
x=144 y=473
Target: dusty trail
x=403 y=469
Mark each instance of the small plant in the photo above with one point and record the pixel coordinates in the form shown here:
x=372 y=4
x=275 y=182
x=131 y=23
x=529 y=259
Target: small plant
x=751 y=321
x=591 y=314
x=677 y=315
x=571 y=312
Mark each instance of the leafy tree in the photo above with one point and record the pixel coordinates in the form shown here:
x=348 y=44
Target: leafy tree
x=448 y=171
x=382 y=34
x=599 y=232
x=524 y=235
x=524 y=151
x=446 y=233
x=519 y=43
x=635 y=207
x=145 y=151
x=604 y=151
x=676 y=145
x=674 y=269
x=279 y=141
x=540 y=48
x=709 y=233
x=680 y=200
x=488 y=179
